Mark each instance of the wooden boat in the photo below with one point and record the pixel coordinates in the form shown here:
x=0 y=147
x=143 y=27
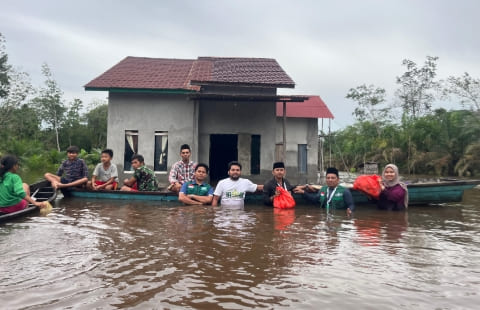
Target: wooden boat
x=41 y=191
x=419 y=193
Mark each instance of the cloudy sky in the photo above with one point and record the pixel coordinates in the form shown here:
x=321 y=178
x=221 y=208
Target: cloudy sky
x=327 y=47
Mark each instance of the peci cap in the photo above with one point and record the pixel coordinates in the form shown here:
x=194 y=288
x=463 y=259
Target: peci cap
x=278 y=164
x=332 y=170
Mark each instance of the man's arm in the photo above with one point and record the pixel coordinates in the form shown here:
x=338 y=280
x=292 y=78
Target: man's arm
x=202 y=199
x=268 y=194
x=172 y=176
x=348 y=200
x=130 y=182
x=215 y=200
x=187 y=200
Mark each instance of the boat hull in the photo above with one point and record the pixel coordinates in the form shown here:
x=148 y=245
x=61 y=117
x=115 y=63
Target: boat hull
x=419 y=194
x=41 y=191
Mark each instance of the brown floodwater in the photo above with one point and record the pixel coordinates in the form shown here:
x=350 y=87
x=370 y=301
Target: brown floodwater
x=103 y=254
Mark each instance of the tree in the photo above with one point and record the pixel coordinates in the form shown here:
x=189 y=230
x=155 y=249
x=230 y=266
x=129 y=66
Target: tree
x=369 y=100
x=417 y=87
x=50 y=104
x=4 y=69
x=466 y=88
x=73 y=119
x=19 y=88
x=15 y=87
x=97 y=124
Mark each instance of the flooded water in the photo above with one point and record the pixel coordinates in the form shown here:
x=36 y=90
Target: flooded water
x=101 y=254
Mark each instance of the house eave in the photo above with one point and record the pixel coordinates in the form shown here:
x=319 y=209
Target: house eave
x=241 y=84
x=142 y=90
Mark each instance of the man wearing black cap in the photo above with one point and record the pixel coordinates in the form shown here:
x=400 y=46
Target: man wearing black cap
x=332 y=196
x=270 y=187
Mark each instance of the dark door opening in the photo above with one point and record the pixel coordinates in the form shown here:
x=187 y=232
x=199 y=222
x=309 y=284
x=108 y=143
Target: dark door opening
x=255 y=159
x=223 y=149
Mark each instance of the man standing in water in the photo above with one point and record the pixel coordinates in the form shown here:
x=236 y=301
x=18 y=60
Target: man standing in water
x=232 y=189
x=270 y=188
x=331 y=196
x=197 y=192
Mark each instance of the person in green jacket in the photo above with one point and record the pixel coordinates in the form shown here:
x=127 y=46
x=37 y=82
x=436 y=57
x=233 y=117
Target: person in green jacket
x=332 y=196
x=14 y=194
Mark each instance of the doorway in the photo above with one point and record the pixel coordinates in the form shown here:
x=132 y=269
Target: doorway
x=223 y=149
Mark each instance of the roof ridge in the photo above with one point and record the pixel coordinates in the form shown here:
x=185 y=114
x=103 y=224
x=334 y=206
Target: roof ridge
x=156 y=58
x=232 y=58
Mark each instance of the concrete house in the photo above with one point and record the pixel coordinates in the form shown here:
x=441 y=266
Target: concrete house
x=224 y=108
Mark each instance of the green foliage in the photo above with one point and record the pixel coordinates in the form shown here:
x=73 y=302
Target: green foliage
x=466 y=88
x=97 y=125
x=4 y=69
x=49 y=103
x=370 y=100
x=417 y=87
x=440 y=143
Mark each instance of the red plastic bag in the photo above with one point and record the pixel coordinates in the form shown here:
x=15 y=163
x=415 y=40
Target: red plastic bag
x=369 y=184
x=284 y=200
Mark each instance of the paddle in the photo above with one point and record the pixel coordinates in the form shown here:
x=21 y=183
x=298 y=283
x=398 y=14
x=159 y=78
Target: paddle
x=47 y=209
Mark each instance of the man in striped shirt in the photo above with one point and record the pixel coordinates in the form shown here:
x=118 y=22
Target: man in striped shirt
x=182 y=171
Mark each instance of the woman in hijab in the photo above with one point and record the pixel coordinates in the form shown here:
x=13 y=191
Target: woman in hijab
x=394 y=195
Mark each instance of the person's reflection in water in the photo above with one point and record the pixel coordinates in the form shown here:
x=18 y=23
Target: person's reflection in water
x=233 y=218
x=381 y=228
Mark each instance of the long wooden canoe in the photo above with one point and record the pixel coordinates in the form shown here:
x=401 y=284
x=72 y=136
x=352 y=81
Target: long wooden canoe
x=419 y=193
x=41 y=191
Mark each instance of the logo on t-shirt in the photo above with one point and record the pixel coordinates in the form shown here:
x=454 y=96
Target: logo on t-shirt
x=234 y=194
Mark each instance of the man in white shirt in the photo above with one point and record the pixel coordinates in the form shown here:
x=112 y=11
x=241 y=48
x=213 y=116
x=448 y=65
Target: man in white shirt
x=232 y=189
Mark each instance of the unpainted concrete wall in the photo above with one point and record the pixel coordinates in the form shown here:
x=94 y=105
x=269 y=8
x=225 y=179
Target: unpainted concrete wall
x=148 y=113
x=300 y=131
x=244 y=119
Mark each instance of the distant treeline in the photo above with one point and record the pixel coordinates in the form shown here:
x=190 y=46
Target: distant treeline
x=36 y=123
x=407 y=131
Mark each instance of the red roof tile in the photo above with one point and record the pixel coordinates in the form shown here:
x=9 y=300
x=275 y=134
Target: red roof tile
x=160 y=73
x=251 y=71
x=314 y=107
x=146 y=73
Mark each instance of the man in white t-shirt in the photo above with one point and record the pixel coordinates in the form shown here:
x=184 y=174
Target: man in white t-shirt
x=232 y=189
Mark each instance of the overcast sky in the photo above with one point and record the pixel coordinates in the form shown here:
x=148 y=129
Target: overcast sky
x=327 y=47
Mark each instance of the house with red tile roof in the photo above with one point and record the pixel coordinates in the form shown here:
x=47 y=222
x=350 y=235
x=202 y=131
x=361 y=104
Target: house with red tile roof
x=224 y=108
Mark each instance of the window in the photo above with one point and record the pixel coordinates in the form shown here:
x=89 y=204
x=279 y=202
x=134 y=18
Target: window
x=279 y=152
x=131 y=148
x=255 y=158
x=161 y=151
x=302 y=158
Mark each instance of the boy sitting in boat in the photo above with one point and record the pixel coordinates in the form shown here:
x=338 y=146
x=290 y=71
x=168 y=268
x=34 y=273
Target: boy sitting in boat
x=73 y=172
x=105 y=175
x=197 y=192
x=143 y=178
x=14 y=194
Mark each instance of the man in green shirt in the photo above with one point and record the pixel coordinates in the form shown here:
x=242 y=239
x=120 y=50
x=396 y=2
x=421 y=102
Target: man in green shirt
x=143 y=178
x=331 y=196
x=197 y=192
